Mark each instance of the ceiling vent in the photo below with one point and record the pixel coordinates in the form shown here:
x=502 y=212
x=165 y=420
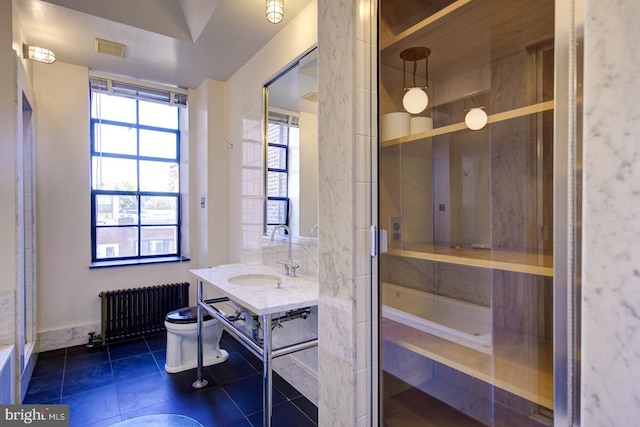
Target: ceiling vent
x=109 y=48
x=310 y=96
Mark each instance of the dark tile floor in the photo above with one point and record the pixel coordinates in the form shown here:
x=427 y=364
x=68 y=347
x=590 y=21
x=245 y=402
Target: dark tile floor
x=107 y=384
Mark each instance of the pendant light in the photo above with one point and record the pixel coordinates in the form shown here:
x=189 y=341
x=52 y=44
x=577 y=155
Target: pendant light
x=275 y=11
x=415 y=101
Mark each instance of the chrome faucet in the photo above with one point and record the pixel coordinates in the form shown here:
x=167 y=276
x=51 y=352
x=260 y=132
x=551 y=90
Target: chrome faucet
x=289 y=266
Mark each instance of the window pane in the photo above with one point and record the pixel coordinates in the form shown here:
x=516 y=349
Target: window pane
x=116 y=210
x=158 y=144
x=277 y=184
x=159 y=210
x=159 y=176
x=116 y=242
x=114 y=139
x=116 y=108
x=277 y=134
x=158 y=240
x=158 y=115
x=113 y=174
x=277 y=211
x=276 y=158
x=135 y=224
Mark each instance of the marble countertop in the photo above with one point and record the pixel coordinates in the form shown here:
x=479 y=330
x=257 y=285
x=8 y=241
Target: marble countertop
x=293 y=293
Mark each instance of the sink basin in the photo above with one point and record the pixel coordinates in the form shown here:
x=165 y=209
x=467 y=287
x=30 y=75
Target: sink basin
x=255 y=280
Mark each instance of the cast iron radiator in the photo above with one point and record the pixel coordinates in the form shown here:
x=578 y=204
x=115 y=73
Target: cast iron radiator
x=132 y=312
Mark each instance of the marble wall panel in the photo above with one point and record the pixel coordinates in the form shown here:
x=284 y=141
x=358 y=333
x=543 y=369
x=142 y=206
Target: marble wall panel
x=337 y=195
x=410 y=272
x=523 y=303
x=611 y=229
x=7 y=325
x=469 y=284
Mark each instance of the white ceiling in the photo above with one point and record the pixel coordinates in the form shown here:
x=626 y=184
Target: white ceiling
x=181 y=42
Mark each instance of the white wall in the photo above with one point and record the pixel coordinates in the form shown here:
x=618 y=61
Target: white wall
x=208 y=146
x=9 y=253
x=68 y=303
x=245 y=104
x=246 y=243
x=308 y=170
x=8 y=136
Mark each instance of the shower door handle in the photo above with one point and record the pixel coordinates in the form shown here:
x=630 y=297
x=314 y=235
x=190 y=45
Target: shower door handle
x=378 y=241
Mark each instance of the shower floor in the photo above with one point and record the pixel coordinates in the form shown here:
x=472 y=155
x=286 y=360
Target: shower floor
x=119 y=381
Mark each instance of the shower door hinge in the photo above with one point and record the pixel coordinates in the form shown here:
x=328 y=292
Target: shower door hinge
x=378 y=241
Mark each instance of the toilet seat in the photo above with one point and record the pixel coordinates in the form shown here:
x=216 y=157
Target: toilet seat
x=185 y=315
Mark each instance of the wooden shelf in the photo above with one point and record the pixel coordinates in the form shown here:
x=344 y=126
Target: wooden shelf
x=458 y=127
x=520 y=364
x=519 y=262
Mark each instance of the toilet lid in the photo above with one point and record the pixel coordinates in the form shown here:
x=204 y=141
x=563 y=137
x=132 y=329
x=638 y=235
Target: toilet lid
x=185 y=315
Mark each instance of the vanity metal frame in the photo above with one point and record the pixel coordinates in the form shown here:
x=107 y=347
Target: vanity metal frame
x=266 y=353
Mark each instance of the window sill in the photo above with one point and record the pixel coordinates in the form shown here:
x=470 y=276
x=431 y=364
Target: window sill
x=146 y=261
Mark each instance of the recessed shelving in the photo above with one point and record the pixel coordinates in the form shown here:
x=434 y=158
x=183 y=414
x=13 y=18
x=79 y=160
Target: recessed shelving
x=494 y=185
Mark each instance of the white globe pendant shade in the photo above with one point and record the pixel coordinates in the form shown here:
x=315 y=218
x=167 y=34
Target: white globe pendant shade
x=415 y=101
x=476 y=118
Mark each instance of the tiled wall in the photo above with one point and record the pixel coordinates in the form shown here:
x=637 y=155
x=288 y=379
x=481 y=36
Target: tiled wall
x=345 y=113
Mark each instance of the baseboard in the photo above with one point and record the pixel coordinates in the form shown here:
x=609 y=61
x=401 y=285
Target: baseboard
x=68 y=337
x=299 y=375
x=30 y=357
x=6 y=375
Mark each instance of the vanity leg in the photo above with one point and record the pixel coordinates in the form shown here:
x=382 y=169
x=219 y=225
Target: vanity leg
x=200 y=382
x=266 y=370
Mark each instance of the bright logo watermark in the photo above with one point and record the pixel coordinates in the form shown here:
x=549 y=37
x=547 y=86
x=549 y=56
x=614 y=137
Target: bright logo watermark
x=35 y=415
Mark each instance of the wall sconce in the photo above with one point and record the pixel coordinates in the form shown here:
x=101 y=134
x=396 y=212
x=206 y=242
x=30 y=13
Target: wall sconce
x=275 y=11
x=415 y=101
x=38 y=54
x=476 y=118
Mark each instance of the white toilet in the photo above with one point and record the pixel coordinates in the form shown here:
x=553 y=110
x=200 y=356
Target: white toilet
x=182 y=340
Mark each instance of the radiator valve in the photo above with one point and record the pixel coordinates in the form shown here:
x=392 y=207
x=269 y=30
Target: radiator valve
x=94 y=340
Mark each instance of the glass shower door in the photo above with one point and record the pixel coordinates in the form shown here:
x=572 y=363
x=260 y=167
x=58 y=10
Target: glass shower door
x=465 y=155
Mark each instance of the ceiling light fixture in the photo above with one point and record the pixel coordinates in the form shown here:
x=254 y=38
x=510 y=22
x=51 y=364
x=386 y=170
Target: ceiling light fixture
x=38 y=54
x=275 y=11
x=415 y=101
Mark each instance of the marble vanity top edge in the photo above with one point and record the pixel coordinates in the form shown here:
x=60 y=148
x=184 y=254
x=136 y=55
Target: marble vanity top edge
x=295 y=292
